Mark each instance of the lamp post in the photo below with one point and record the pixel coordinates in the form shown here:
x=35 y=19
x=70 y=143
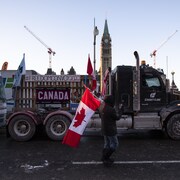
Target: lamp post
x=96 y=32
x=173 y=83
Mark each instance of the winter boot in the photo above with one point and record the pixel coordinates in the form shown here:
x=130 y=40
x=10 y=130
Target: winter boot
x=109 y=153
x=104 y=154
x=106 y=157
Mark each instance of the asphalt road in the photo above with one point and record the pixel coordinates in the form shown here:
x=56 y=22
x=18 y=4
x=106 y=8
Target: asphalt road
x=141 y=155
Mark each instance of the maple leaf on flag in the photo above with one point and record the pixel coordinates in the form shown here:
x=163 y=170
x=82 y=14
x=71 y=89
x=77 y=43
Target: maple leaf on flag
x=79 y=117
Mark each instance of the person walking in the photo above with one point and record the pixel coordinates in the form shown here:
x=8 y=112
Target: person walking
x=109 y=115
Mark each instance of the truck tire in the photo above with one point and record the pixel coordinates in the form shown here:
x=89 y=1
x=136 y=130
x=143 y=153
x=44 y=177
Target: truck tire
x=21 y=128
x=173 y=127
x=57 y=126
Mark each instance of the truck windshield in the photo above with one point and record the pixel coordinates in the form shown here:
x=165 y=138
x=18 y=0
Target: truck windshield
x=153 y=82
x=150 y=81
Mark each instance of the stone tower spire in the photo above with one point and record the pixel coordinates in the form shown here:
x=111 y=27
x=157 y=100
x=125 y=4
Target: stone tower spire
x=106 y=52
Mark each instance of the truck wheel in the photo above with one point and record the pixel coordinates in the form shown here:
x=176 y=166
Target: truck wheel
x=57 y=126
x=173 y=127
x=21 y=128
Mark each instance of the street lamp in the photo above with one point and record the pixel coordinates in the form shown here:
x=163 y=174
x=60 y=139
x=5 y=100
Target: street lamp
x=172 y=84
x=96 y=32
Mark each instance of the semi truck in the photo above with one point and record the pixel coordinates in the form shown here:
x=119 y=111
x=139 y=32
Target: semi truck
x=148 y=100
x=144 y=93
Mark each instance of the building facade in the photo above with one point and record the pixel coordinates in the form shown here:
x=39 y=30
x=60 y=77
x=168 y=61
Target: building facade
x=105 y=53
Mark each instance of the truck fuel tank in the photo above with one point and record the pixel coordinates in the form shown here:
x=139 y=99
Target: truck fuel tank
x=125 y=122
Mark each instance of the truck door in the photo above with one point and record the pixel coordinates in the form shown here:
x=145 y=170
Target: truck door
x=152 y=92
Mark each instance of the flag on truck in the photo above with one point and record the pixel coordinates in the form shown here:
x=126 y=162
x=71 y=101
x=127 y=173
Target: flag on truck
x=20 y=71
x=105 y=80
x=91 y=73
x=84 y=112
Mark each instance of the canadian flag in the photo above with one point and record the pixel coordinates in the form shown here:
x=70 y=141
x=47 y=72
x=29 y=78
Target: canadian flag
x=84 y=112
x=91 y=73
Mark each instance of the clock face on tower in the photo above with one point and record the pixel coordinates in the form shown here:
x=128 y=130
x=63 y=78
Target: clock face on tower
x=106 y=40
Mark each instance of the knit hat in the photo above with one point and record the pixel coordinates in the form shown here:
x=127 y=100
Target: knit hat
x=109 y=99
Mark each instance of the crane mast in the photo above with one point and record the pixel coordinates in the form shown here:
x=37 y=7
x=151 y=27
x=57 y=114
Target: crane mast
x=50 y=51
x=153 y=54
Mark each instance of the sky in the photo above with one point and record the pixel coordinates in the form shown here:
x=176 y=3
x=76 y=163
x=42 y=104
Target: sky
x=66 y=26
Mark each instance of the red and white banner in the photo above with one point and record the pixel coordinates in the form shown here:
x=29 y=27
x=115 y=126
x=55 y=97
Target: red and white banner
x=105 y=79
x=84 y=112
x=91 y=73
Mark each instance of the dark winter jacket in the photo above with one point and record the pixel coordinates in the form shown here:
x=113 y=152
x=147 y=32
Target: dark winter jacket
x=109 y=117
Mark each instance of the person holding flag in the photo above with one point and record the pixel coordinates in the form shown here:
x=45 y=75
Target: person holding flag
x=109 y=116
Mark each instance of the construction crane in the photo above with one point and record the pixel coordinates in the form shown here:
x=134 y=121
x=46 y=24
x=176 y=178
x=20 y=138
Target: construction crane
x=153 y=54
x=50 y=51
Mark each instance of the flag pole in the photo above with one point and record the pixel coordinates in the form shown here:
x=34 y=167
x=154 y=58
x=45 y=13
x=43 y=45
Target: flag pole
x=17 y=79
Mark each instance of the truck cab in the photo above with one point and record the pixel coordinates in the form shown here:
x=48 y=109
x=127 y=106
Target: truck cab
x=154 y=88
x=147 y=99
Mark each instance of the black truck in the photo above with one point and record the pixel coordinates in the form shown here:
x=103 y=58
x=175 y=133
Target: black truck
x=147 y=99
